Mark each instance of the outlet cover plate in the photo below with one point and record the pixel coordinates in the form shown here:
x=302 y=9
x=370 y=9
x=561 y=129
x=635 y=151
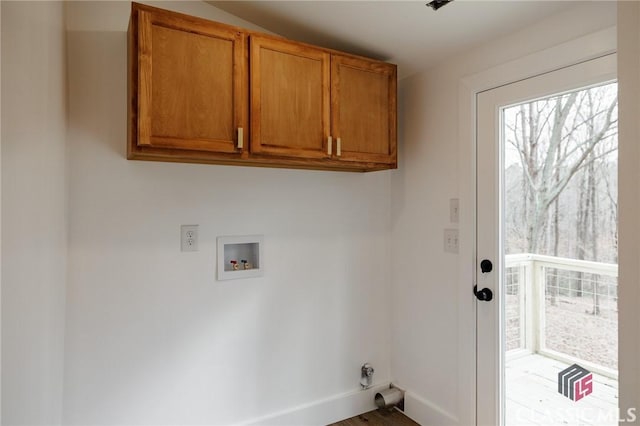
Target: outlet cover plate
x=451 y=241
x=189 y=238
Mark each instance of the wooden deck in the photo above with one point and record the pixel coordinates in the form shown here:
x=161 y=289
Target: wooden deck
x=532 y=396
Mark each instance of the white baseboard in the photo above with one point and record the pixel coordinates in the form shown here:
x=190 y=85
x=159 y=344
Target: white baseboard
x=324 y=411
x=427 y=413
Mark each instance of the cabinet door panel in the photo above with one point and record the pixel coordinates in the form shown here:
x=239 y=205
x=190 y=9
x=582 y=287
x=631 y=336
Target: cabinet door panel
x=289 y=99
x=192 y=84
x=363 y=100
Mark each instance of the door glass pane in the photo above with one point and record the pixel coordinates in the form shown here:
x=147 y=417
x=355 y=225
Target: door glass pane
x=559 y=213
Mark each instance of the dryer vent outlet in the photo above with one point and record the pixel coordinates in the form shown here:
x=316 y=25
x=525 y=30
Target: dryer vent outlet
x=390 y=398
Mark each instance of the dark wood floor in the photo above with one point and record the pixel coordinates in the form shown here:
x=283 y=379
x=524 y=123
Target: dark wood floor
x=382 y=417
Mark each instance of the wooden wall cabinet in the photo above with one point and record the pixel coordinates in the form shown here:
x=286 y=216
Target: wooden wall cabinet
x=289 y=99
x=309 y=107
x=363 y=110
x=188 y=85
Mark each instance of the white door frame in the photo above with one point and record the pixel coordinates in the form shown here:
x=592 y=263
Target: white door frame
x=570 y=53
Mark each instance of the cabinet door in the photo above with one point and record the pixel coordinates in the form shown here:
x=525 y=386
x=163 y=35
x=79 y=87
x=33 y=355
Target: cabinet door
x=363 y=110
x=289 y=99
x=191 y=83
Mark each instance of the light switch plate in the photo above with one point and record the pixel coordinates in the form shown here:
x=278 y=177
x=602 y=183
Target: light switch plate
x=454 y=210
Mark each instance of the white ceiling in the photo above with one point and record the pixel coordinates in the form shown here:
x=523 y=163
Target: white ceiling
x=407 y=33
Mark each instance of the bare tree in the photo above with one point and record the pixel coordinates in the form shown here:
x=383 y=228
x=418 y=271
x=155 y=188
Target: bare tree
x=555 y=138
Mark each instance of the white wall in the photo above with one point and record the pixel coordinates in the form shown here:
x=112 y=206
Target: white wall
x=34 y=213
x=629 y=206
x=151 y=336
x=433 y=307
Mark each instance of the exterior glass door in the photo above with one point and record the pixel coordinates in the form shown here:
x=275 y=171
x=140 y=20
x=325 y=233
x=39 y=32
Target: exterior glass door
x=547 y=220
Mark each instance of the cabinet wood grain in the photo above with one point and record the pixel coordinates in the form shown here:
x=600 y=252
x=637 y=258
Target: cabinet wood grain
x=290 y=99
x=191 y=82
x=363 y=105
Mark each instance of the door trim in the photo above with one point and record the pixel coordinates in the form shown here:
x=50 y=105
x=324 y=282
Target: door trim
x=588 y=47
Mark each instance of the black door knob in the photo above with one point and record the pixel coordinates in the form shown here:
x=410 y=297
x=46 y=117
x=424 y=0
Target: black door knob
x=486 y=295
x=486 y=266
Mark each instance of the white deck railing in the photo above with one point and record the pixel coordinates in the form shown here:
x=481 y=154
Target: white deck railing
x=562 y=308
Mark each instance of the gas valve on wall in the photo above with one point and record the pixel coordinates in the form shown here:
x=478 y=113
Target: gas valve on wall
x=366 y=375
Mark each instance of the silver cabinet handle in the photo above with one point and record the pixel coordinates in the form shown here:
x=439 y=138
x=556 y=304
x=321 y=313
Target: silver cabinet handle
x=329 y=145
x=339 y=147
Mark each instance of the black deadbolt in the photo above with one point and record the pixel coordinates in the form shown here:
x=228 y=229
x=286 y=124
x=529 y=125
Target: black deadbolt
x=486 y=266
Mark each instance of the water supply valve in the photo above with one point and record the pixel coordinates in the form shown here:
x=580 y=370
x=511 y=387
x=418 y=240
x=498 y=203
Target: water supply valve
x=366 y=375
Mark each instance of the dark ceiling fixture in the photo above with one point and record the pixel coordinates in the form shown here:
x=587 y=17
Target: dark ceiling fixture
x=437 y=4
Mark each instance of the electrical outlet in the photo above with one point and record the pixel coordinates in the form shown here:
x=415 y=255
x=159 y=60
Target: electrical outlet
x=454 y=210
x=189 y=238
x=451 y=240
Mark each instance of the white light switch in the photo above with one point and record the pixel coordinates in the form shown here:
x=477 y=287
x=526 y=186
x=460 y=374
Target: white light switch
x=454 y=210
x=451 y=240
